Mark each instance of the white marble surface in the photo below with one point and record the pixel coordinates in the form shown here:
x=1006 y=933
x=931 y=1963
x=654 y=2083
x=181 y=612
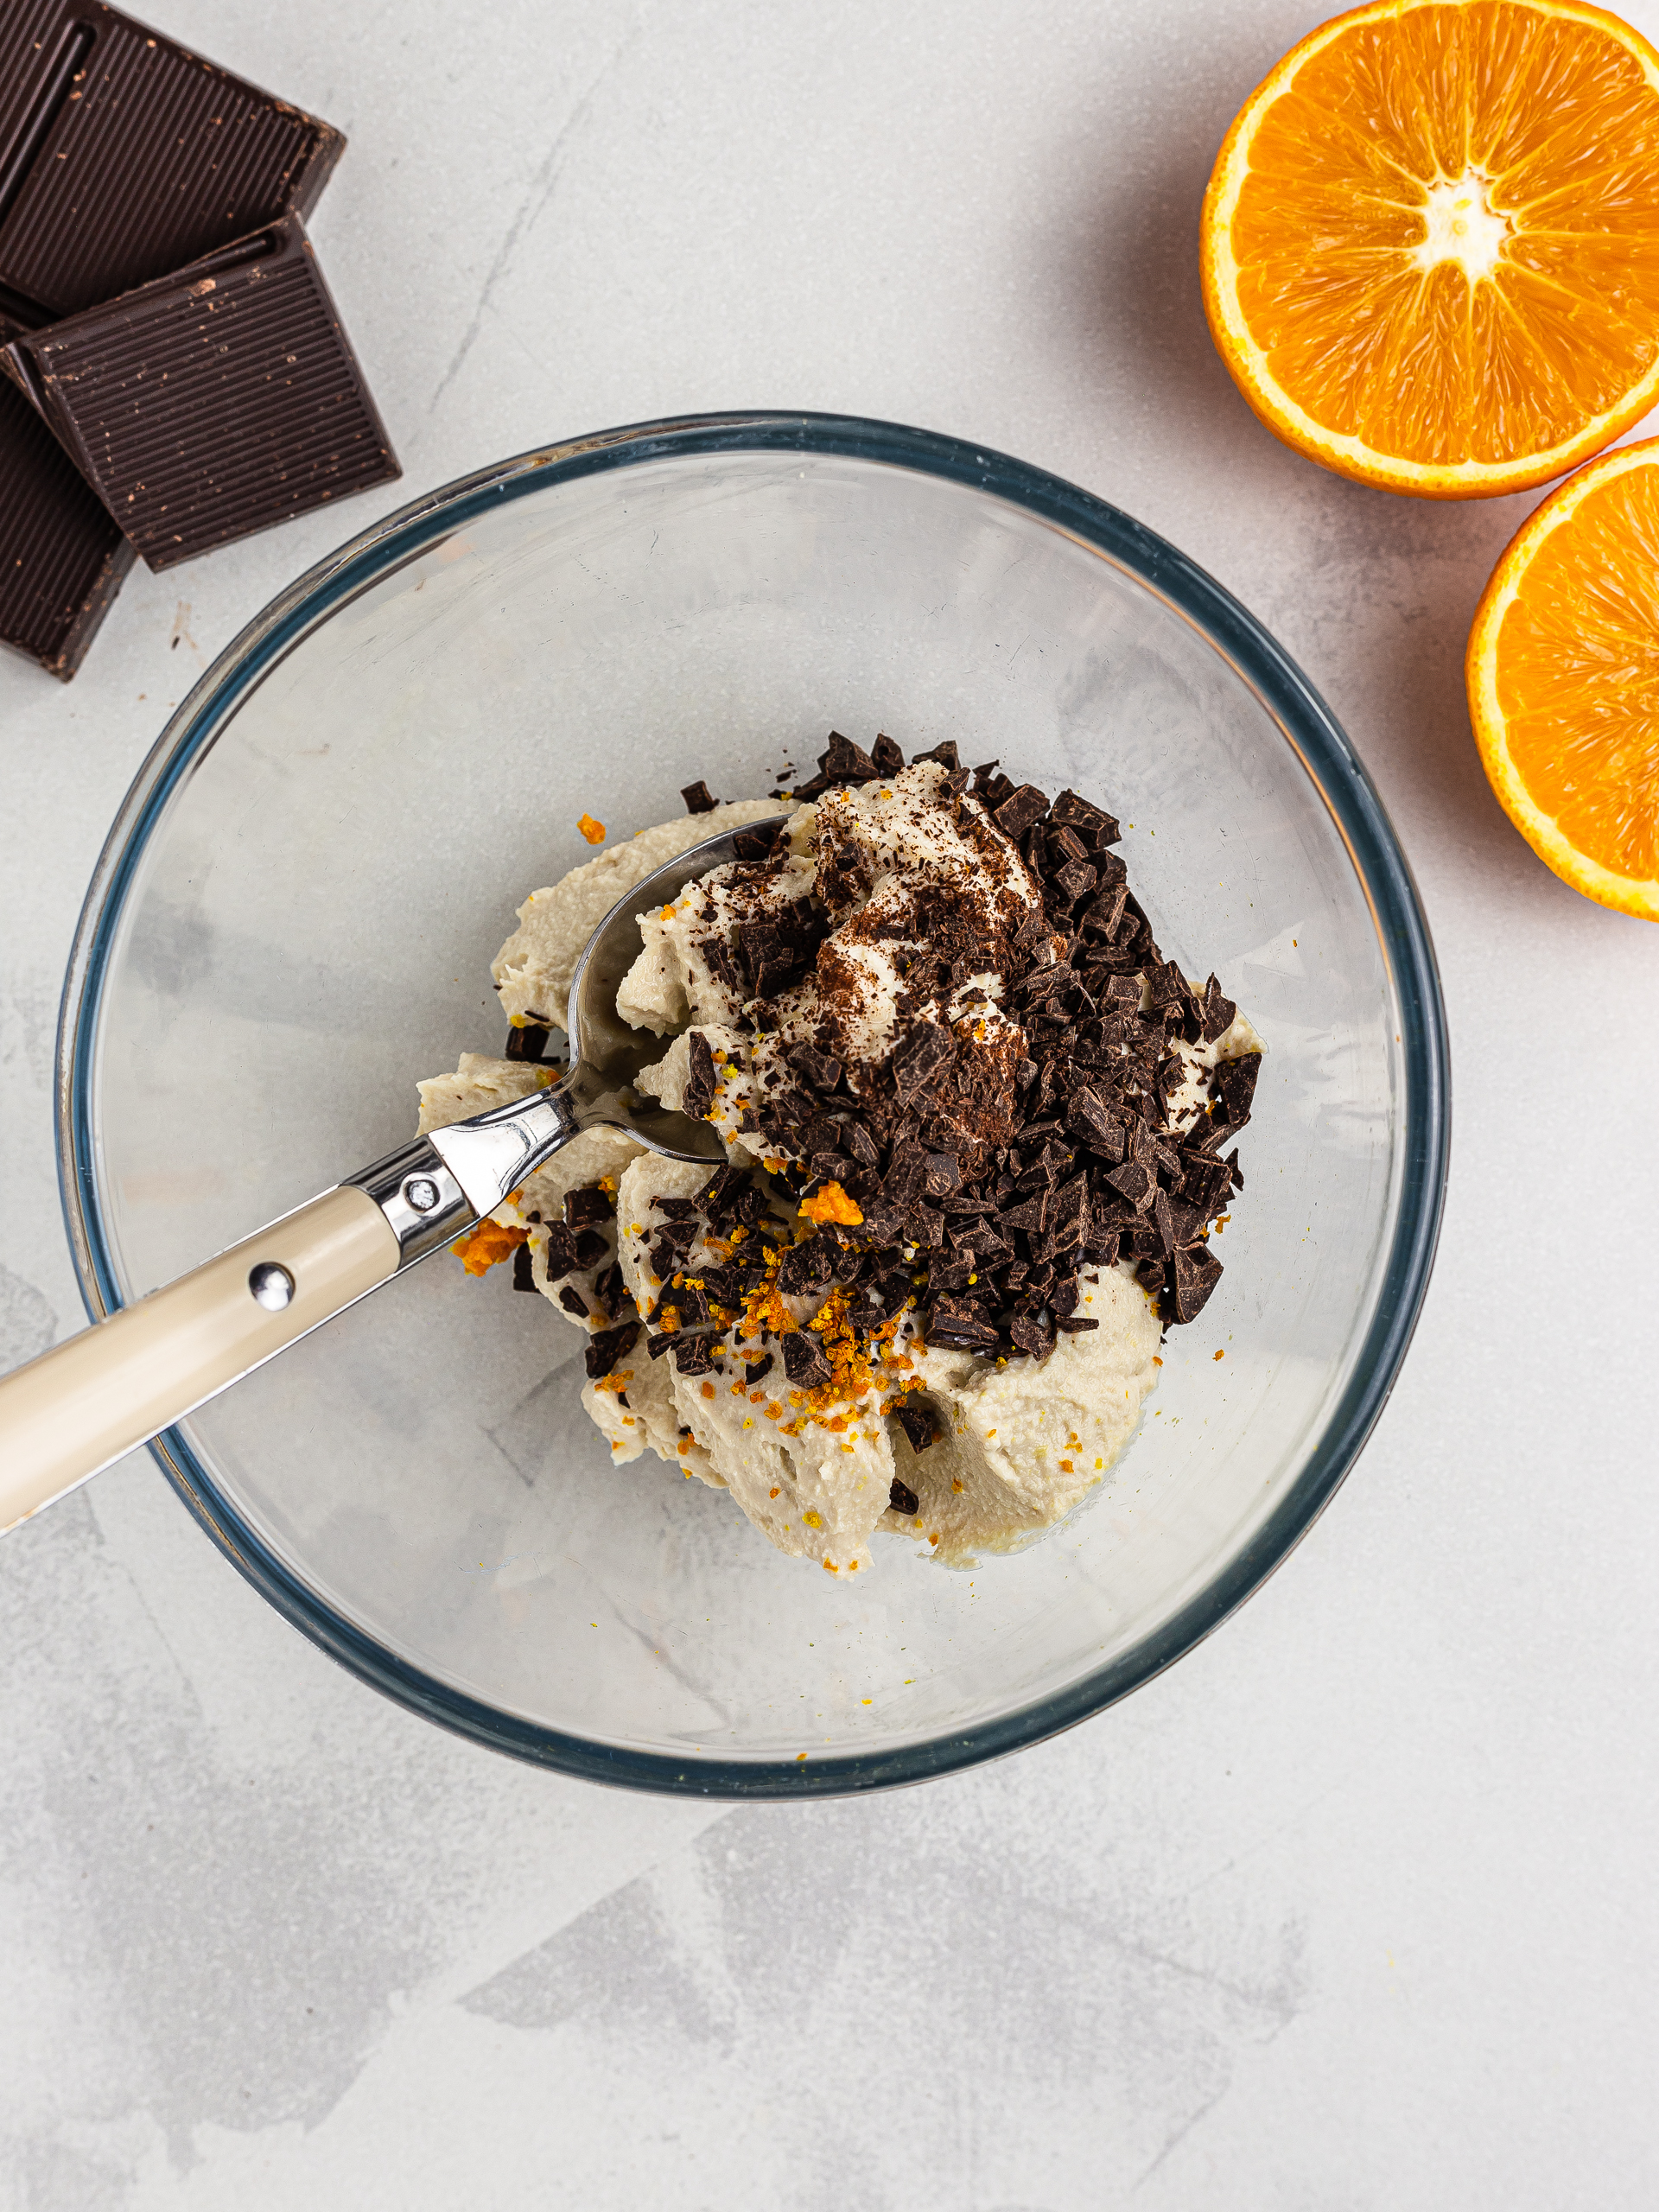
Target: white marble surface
x=1355 y=1907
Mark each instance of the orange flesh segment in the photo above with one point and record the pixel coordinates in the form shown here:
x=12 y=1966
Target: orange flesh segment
x=1577 y=676
x=1525 y=139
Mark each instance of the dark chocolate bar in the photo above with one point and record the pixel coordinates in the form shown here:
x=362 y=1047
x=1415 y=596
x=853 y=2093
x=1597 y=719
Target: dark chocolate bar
x=61 y=558
x=213 y=403
x=123 y=155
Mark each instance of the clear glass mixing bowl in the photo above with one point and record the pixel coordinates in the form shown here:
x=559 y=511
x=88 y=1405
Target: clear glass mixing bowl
x=294 y=920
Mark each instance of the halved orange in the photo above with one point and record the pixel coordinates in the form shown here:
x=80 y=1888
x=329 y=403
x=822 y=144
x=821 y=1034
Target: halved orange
x=1431 y=243
x=1563 y=672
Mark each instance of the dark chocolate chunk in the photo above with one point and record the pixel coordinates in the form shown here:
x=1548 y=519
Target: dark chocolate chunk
x=212 y=402
x=1031 y=1335
x=591 y=1248
x=922 y=1430
x=523 y=1268
x=561 y=1252
x=1197 y=1271
x=1081 y=814
x=919 y=1056
x=574 y=1302
x=1217 y=1013
x=528 y=1043
x=1063 y=1298
x=758 y=1370
x=609 y=1345
x=953 y=1273
x=123 y=155
x=754 y=844
x=945 y=754
x=843 y=762
x=1074 y=1325
x=63 y=560
x=1017 y=814
x=901 y=1497
x=821 y=1070
x=1077 y=880
x=671 y=1209
x=699 y=1093
x=959 y=1326
x=584 y=1207
x=698 y=799
x=924 y=1226
x=1135 y=1180
x=805 y=1363
x=1029 y=1215
x=1203 y=1181
x=721 y=1190
x=860 y=1144
x=941 y=1175
x=1234 y=1170
x=1236 y=1082
x=691 y=1354
x=657 y=1345
x=886 y=756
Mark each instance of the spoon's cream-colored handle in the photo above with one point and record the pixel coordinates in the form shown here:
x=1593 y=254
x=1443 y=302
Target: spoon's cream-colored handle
x=118 y=1383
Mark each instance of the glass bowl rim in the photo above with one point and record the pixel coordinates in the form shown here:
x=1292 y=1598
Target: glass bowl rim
x=1307 y=725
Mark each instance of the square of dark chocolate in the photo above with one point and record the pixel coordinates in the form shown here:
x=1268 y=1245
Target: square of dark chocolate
x=213 y=403
x=123 y=155
x=61 y=558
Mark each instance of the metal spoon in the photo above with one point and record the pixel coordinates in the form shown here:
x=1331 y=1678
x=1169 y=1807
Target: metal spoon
x=115 y=1385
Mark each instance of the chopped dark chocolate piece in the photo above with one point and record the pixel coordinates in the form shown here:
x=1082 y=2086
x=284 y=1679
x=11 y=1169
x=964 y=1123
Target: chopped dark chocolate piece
x=1029 y=1332
x=754 y=844
x=941 y=1175
x=528 y=1042
x=886 y=754
x=722 y=1189
x=1196 y=1271
x=591 y=1248
x=213 y=402
x=924 y=1226
x=821 y=1070
x=1018 y=813
x=698 y=799
x=126 y=156
x=953 y=1273
x=758 y=1370
x=691 y=1354
x=1218 y=1013
x=671 y=1209
x=1203 y=1181
x=1234 y=1170
x=901 y=1497
x=860 y=1144
x=1236 y=1082
x=1074 y=1325
x=585 y=1206
x=959 y=1326
x=945 y=754
x=805 y=1363
x=608 y=1346
x=921 y=1429
x=1082 y=814
x=573 y=1301
x=699 y=1093
x=1029 y=1215
x=843 y=762
x=1137 y=1181
x=561 y=1252
x=1063 y=1298
x=919 y=1056
x=63 y=560
x=658 y=1345
x=524 y=1276
x=1077 y=880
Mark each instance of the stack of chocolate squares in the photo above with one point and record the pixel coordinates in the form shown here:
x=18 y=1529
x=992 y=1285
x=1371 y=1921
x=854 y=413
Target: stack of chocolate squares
x=175 y=372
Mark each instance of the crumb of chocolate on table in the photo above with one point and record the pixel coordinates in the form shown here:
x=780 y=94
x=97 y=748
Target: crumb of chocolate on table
x=984 y=1191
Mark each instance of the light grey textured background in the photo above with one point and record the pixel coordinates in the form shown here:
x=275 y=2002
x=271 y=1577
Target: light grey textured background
x=1355 y=1908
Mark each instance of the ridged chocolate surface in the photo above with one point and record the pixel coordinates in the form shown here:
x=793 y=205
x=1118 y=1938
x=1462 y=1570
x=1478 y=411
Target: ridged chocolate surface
x=215 y=403
x=123 y=155
x=61 y=558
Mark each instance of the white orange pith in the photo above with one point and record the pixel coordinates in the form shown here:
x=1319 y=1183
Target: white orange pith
x=1430 y=245
x=1563 y=672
